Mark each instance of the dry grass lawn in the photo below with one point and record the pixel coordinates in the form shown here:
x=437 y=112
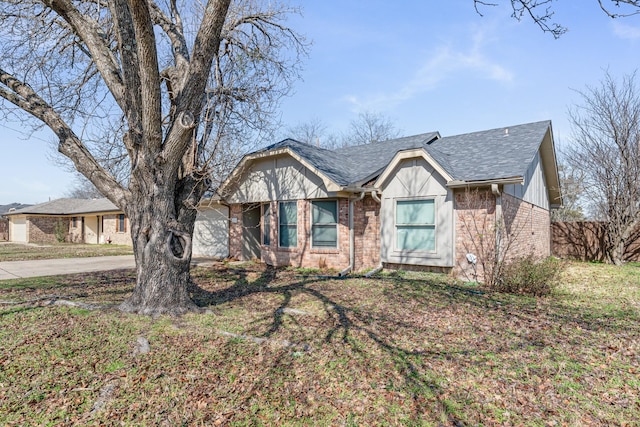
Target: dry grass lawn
x=278 y=347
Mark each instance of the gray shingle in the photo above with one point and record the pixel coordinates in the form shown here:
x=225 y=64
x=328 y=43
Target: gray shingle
x=69 y=207
x=477 y=156
x=489 y=154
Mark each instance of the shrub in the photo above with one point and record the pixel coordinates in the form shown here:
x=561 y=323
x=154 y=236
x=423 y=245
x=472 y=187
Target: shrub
x=61 y=231
x=528 y=276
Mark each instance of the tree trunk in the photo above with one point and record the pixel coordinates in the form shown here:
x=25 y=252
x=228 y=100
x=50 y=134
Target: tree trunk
x=162 y=249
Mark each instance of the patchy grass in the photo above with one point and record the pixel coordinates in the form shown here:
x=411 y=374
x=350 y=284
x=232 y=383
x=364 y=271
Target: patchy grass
x=402 y=349
x=22 y=252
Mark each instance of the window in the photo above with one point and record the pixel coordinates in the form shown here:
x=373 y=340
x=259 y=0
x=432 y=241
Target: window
x=324 y=224
x=415 y=225
x=288 y=219
x=74 y=221
x=266 y=224
x=120 y=225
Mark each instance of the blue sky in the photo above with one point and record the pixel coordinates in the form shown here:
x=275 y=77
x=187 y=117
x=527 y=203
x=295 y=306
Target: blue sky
x=426 y=65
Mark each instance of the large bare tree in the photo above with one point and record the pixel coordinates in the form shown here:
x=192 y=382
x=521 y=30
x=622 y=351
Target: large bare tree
x=605 y=151
x=170 y=83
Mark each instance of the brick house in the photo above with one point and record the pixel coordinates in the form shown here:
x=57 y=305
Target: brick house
x=423 y=201
x=98 y=221
x=90 y=221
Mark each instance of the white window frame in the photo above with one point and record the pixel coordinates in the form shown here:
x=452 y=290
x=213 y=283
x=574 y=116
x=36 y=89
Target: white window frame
x=280 y=225
x=335 y=224
x=434 y=225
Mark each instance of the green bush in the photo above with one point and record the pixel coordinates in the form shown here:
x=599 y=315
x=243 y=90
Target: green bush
x=529 y=276
x=61 y=230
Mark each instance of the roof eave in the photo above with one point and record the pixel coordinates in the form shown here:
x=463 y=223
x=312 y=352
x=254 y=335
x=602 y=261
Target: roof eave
x=485 y=182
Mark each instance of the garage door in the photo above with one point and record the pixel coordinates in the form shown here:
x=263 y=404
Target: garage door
x=18 y=230
x=211 y=232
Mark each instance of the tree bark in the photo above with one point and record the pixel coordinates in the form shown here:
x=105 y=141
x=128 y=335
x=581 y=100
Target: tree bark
x=162 y=249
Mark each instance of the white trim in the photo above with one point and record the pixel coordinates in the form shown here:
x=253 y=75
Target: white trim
x=336 y=224
x=410 y=154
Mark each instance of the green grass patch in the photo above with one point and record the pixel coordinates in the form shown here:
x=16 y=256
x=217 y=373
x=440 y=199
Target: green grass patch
x=403 y=349
x=21 y=252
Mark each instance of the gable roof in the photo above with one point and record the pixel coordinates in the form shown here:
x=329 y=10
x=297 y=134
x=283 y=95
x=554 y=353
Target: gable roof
x=501 y=154
x=68 y=207
x=490 y=154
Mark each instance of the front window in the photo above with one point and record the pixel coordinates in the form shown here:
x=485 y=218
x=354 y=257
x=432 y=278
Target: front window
x=415 y=225
x=121 y=226
x=288 y=221
x=324 y=224
x=266 y=224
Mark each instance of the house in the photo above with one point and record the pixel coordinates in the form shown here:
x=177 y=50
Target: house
x=412 y=202
x=98 y=221
x=90 y=221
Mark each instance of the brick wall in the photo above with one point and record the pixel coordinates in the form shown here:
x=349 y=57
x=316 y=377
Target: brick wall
x=366 y=225
x=526 y=230
x=110 y=230
x=42 y=229
x=75 y=233
x=528 y=227
x=4 y=229
x=366 y=233
x=475 y=223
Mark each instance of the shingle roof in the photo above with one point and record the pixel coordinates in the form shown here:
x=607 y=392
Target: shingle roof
x=478 y=156
x=69 y=207
x=350 y=165
x=490 y=154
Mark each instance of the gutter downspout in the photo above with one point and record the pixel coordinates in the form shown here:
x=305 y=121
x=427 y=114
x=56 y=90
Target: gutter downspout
x=496 y=192
x=352 y=237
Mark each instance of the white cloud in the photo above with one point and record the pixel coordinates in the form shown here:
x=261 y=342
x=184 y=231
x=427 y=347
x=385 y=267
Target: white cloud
x=442 y=65
x=626 y=31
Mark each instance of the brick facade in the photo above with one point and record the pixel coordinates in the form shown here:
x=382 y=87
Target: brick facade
x=366 y=238
x=525 y=230
x=475 y=224
x=4 y=229
x=528 y=226
x=42 y=229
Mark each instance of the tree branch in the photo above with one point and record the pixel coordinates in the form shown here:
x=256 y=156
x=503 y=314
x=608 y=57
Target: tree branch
x=69 y=144
x=89 y=31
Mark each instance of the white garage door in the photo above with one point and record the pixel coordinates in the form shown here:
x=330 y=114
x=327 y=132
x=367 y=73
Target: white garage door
x=18 y=229
x=211 y=233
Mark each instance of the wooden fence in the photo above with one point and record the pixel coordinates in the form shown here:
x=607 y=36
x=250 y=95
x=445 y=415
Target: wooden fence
x=584 y=240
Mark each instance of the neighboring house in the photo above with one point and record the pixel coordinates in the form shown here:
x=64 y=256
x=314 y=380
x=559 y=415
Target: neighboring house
x=98 y=221
x=91 y=221
x=401 y=203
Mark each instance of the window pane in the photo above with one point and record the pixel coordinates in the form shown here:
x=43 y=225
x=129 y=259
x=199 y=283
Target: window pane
x=289 y=213
x=288 y=236
x=266 y=224
x=416 y=238
x=325 y=212
x=324 y=236
x=415 y=212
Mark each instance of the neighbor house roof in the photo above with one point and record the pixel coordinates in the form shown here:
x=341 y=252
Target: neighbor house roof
x=6 y=208
x=68 y=207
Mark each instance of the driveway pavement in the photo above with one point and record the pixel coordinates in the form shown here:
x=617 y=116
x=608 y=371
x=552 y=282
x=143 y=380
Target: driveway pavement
x=53 y=267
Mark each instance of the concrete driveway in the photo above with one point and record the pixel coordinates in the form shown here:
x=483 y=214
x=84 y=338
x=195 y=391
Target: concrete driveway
x=54 y=267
